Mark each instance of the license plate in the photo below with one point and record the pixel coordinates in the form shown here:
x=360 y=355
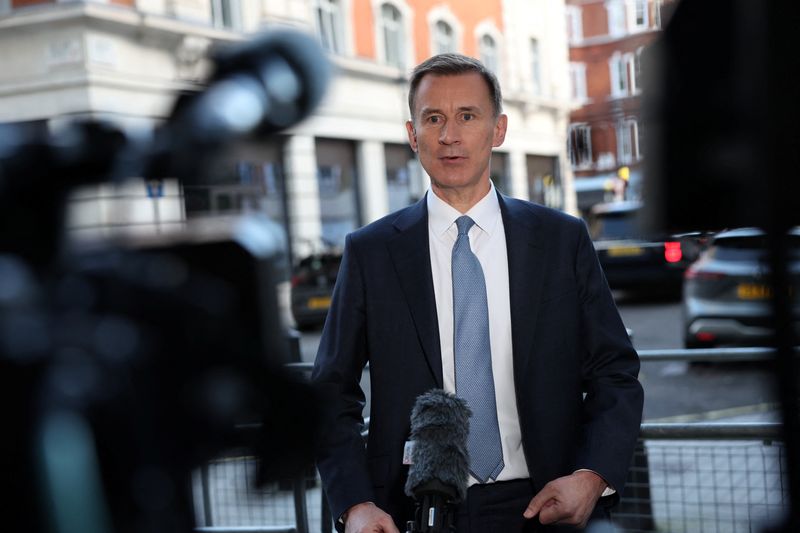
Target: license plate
x=753 y=291
x=319 y=302
x=625 y=251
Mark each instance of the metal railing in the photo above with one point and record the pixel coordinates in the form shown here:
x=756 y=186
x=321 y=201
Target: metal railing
x=692 y=477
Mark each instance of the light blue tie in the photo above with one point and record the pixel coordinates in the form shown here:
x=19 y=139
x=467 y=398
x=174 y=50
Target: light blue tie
x=473 y=357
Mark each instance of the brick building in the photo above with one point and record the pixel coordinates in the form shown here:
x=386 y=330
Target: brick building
x=605 y=138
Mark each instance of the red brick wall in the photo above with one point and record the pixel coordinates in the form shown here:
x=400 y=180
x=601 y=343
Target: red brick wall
x=24 y=3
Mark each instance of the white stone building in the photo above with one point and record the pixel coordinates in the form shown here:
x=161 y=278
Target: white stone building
x=124 y=60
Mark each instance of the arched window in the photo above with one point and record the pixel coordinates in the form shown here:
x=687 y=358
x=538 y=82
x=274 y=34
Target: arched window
x=392 y=30
x=329 y=24
x=443 y=38
x=488 y=53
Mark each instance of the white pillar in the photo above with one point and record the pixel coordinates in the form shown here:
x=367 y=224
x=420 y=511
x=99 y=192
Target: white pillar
x=518 y=174
x=300 y=165
x=373 y=195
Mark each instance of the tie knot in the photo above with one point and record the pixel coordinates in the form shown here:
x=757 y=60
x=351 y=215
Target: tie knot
x=464 y=223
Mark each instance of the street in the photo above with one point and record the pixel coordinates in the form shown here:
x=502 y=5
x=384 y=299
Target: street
x=676 y=391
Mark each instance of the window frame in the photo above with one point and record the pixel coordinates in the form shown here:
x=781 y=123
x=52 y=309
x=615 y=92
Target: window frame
x=618 y=67
x=637 y=6
x=438 y=41
x=396 y=27
x=234 y=9
x=628 y=141
x=617 y=21
x=577 y=78
x=494 y=64
x=574 y=20
x=580 y=157
x=329 y=17
x=443 y=14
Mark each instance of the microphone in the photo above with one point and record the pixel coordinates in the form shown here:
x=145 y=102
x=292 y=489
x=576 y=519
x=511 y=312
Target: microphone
x=437 y=478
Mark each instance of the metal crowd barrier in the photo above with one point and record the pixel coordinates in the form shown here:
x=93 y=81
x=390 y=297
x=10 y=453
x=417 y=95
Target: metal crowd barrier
x=684 y=478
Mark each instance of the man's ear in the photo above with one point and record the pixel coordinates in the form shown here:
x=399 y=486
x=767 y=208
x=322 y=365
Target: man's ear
x=500 y=130
x=412 y=135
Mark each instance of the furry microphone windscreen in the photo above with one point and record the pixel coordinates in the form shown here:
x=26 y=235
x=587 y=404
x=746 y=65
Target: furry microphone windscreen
x=439 y=427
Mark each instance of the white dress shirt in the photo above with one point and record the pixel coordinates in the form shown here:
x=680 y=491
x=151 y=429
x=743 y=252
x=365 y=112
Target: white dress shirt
x=488 y=241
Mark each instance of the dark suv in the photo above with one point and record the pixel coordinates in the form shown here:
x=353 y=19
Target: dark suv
x=313 y=279
x=632 y=260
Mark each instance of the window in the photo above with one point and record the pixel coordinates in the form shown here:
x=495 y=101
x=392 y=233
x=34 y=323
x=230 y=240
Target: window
x=619 y=75
x=544 y=185
x=5 y=6
x=579 y=145
x=329 y=24
x=635 y=66
x=625 y=72
x=627 y=141
x=616 y=17
x=499 y=171
x=536 y=68
x=338 y=189
x=443 y=38
x=574 y=24
x=577 y=76
x=657 y=13
x=488 y=53
x=400 y=175
x=249 y=180
x=640 y=15
x=225 y=14
x=391 y=23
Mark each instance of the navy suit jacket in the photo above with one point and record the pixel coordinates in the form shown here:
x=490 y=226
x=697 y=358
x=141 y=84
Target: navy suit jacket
x=575 y=371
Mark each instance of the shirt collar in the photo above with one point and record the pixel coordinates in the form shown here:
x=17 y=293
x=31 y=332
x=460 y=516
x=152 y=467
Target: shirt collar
x=442 y=216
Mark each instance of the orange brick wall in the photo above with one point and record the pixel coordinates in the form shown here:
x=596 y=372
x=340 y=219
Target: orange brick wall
x=364 y=27
x=469 y=13
x=23 y=3
x=595 y=19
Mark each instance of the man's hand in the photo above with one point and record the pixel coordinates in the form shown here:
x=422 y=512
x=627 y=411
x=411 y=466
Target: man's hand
x=567 y=500
x=368 y=518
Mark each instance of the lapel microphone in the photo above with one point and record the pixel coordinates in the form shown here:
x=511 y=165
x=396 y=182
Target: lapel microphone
x=437 y=477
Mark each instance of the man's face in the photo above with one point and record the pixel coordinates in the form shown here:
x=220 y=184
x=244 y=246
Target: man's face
x=454 y=129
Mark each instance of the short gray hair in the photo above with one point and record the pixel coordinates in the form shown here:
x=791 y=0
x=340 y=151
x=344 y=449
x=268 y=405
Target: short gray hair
x=452 y=65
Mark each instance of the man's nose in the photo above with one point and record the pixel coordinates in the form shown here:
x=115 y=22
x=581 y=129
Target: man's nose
x=449 y=133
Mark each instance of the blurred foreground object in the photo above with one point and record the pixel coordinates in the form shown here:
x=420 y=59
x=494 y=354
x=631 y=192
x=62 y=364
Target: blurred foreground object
x=123 y=369
x=721 y=110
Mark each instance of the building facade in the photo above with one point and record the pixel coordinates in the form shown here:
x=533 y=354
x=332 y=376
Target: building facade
x=348 y=164
x=605 y=136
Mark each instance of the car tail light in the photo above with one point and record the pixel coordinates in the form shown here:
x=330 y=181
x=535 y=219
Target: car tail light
x=705 y=336
x=672 y=252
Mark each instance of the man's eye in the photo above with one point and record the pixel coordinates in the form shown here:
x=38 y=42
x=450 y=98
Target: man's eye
x=433 y=120
x=467 y=116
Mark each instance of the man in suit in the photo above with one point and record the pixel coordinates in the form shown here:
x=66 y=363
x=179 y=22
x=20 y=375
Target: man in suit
x=564 y=400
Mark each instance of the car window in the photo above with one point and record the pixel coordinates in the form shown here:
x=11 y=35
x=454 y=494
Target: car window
x=609 y=226
x=748 y=248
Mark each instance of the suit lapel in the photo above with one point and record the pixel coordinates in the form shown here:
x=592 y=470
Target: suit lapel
x=525 y=248
x=410 y=254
